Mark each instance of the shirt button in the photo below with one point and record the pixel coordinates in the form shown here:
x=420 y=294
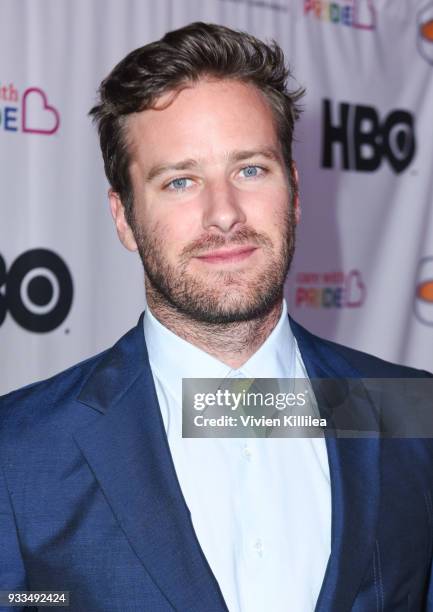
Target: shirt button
x=246 y=451
x=258 y=547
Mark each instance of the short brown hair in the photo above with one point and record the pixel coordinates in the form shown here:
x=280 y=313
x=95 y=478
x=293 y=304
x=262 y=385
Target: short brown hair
x=181 y=56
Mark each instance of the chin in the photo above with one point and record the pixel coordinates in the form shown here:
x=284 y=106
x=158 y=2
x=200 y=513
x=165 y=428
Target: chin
x=226 y=309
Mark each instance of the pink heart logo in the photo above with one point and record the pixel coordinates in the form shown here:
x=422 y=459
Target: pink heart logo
x=38 y=116
x=364 y=15
x=355 y=289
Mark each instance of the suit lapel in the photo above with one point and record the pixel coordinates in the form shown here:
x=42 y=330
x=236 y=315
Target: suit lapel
x=127 y=450
x=354 y=471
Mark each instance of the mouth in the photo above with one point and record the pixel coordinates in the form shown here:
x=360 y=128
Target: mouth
x=227 y=255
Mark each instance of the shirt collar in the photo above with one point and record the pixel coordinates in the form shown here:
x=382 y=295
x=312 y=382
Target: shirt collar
x=173 y=358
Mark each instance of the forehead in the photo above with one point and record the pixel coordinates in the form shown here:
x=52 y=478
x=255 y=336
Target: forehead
x=204 y=119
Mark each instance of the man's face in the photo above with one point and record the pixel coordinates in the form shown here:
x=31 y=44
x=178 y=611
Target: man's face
x=213 y=218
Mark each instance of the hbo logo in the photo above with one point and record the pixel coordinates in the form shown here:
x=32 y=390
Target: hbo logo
x=37 y=290
x=364 y=140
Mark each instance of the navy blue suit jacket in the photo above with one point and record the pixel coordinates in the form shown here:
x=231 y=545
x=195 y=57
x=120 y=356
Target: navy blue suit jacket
x=90 y=502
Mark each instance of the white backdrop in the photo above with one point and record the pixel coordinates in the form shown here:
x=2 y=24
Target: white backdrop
x=363 y=270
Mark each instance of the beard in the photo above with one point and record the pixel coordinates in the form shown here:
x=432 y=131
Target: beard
x=218 y=297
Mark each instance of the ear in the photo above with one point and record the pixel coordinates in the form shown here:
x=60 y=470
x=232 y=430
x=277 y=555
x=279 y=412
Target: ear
x=295 y=187
x=124 y=231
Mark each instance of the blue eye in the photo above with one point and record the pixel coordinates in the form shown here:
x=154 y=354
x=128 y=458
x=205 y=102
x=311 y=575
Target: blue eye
x=178 y=184
x=251 y=171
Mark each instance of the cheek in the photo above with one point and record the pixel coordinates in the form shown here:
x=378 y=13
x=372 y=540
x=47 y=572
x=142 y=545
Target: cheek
x=173 y=231
x=269 y=214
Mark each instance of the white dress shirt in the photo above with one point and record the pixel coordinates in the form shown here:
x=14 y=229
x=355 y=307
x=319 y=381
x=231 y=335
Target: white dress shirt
x=260 y=507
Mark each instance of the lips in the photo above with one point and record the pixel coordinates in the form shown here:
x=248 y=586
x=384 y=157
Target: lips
x=228 y=255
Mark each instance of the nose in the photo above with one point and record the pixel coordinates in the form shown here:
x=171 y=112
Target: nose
x=222 y=207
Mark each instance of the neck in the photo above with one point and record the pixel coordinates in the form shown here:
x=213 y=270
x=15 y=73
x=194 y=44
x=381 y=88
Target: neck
x=231 y=343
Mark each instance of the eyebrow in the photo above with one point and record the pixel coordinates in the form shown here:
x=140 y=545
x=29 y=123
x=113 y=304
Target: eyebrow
x=234 y=156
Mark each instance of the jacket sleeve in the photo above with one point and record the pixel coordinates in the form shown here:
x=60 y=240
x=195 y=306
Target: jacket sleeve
x=12 y=571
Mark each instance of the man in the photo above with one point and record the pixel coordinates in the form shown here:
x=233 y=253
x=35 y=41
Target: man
x=101 y=496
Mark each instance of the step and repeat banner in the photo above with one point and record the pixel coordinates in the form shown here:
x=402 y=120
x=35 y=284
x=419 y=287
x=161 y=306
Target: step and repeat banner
x=363 y=269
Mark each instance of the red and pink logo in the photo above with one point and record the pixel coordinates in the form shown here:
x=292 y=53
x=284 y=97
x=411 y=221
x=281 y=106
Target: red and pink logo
x=30 y=112
x=358 y=14
x=330 y=289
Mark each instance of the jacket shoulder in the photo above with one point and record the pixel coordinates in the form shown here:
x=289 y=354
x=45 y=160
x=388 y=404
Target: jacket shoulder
x=52 y=403
x=372 y=366
x=367 y=365
x=28 y=402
